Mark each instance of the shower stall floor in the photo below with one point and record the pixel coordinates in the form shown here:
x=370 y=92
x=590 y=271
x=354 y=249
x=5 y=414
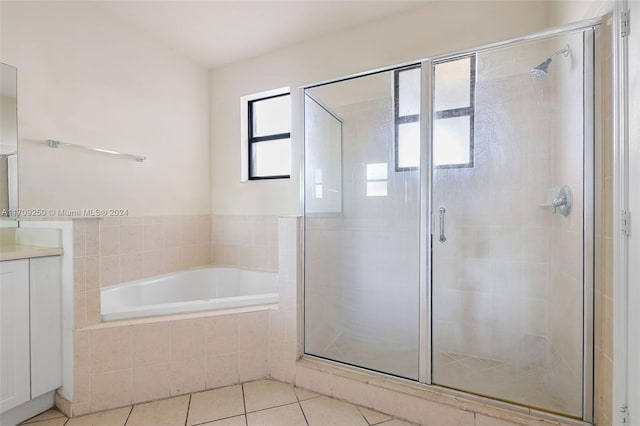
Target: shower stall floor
x=550 y=385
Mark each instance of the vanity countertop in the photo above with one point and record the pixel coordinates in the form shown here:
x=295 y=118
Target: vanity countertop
x=25 y=243
x=12 y=252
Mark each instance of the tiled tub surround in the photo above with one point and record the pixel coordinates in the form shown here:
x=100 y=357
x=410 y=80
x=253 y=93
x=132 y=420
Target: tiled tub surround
x=112 y=251
x=115 y=250
x=138 y=247
x=127 y=362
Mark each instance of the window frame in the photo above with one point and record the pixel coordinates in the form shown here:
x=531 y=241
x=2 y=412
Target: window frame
x=437 y=115
x=251 y=139
x=461 y=111
x=398 y=119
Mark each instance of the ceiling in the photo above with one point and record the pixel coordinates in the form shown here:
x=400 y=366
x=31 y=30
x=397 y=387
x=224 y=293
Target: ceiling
x=215 y=33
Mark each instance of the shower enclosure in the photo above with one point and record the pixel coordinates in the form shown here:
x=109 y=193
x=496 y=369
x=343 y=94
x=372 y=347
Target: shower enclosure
x=449 y=221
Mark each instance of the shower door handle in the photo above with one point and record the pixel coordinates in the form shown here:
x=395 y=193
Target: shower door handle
x=442 y=211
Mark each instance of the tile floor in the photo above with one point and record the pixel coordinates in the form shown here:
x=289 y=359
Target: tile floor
x=259 y=403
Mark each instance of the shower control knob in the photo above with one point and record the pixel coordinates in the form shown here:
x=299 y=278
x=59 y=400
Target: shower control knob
x=563 y=202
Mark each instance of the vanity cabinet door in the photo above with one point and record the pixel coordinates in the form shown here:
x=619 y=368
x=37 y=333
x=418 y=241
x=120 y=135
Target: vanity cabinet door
x=14 y=339
x=46 y=325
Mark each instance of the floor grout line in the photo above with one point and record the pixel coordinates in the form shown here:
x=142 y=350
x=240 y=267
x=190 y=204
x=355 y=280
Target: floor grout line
x=245 y=412
x=186 y=418
x=303 y=414
x=269 y=408
x=128 y=415
x=244 y=400
x=220 y=419
x=35 y=422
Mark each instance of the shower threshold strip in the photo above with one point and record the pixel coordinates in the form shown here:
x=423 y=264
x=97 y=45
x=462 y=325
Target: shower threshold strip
x=418 y=389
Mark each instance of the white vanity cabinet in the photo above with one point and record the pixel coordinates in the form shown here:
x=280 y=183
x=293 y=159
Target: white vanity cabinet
x=31 y=324
x=15 y=375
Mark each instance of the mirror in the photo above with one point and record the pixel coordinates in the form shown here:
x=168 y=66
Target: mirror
x=8 y=141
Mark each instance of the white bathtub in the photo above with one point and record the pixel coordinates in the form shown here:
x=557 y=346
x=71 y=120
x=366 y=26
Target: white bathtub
x=192 y=290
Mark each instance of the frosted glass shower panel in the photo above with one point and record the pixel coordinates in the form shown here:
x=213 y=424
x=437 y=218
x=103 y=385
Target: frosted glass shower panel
x=323 y=174
x=507 y=283
x=409 y=144
x=451 y=141
x=362 y=265
x=409 y=92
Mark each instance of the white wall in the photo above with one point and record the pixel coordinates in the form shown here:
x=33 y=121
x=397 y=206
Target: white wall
x=436 y=27
x=85 y=77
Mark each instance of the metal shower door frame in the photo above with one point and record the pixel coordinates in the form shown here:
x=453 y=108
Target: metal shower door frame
x=592 y=226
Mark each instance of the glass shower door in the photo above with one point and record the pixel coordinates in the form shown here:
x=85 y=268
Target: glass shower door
x=361 y=221
x=508 y=187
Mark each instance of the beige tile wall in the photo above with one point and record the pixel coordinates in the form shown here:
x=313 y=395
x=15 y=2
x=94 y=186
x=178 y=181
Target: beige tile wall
x=246 y=241
x=86 y=272
x=137 y=247
x=115 y=250
x=118 y=365
x=284 y=340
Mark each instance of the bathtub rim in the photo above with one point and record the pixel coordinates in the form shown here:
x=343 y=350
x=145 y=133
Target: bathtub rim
x=190 y=306
x=141 y=281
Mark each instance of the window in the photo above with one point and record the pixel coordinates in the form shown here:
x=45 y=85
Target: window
x=377 y=180
x=407 y=118
x=453 y=117
x=269 y=137
x=453 y=120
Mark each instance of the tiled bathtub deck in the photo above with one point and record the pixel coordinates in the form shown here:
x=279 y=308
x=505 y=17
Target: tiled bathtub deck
x=264 y=403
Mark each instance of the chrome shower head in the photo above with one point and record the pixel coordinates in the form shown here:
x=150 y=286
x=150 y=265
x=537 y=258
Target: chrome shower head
x=542 y=70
